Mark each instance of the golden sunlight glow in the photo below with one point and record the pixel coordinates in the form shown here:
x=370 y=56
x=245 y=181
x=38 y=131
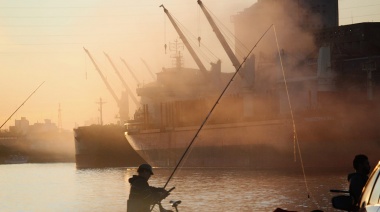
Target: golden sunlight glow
x=43 y=40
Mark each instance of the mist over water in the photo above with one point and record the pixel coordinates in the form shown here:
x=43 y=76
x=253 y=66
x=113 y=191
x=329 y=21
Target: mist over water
x=61 y=187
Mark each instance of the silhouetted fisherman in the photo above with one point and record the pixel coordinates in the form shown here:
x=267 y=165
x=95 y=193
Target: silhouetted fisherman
x=359 y=178
x=141 y=195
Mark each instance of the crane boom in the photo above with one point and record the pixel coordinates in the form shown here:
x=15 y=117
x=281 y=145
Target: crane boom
x=103 y=78
x=122 y=81
x=147 y=67
x=130 y=71
x=186 y=42
x=219 y=35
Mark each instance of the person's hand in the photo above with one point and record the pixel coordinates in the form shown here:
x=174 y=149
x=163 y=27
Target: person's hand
x=162 y=190
x=164 y=193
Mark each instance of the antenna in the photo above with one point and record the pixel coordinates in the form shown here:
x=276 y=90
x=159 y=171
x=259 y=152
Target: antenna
x=352 y=18
x=100 y=103
x=178 y=59
x=59 y=118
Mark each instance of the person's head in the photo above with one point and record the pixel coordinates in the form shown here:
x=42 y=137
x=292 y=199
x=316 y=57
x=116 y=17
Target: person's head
x=145 y=170
x=361 y=164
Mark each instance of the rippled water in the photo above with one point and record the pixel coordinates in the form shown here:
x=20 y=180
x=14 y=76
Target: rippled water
x=61 y=187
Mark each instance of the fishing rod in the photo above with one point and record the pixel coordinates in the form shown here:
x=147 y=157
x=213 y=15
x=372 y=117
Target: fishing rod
x=22 y=104
x=212 y=109
x=339 y=191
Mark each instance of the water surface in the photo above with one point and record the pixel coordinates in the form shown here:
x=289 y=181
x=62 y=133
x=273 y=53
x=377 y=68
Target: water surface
x=61 y=187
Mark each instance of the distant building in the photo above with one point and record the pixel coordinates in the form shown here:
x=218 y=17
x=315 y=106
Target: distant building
x=22 y=126
x=47 y=126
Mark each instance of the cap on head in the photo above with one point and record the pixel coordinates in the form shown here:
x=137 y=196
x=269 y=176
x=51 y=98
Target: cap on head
x=145 y=166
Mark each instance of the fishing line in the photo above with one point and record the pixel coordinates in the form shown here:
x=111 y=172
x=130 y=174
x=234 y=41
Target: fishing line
x=85 y=65
x=213 y=107
x=199 y=26
x=192 y=42
x=229 y=36
x=295 y=137
x=21 y=104
x=165 y=45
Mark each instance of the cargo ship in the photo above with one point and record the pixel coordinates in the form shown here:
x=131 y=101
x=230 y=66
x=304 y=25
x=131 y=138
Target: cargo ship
x=101 y=146
x=322 y=111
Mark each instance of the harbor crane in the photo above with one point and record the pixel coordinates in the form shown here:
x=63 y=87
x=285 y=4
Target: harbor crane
x=134 y=99
x=104 y=79
x=222 y=40
x=186 y=42
x=147 y=67
x=122 y=103
x=130 y=71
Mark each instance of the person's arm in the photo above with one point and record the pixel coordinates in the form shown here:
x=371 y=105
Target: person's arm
x=356 y=186
x=140 y=189
x=158 y=193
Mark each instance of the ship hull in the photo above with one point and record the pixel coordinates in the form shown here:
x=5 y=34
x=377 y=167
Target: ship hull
x=262 y=145
x=99 y=146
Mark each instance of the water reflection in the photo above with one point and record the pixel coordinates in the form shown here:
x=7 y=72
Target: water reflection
x=244 y=190
x=61 y=187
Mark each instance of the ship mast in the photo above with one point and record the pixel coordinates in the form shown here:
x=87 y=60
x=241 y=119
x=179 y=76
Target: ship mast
x=59 y=118
x=186 y=42
x=100 y=110
x=177 y=56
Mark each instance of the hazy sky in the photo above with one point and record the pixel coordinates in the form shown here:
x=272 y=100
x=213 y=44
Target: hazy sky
x=43 y=40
